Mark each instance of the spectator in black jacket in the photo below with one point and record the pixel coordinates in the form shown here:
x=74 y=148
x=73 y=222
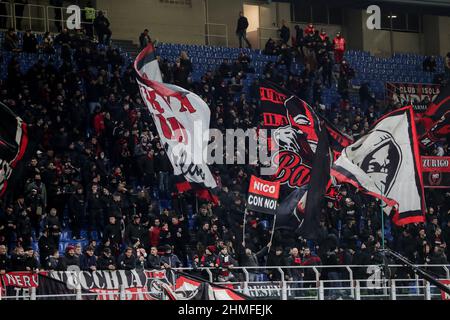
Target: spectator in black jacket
x=249 y=259
x=106 y=261
x=170 y=260
x=164 y=167
x=127 y=260
x=113 y=233
x=284 y=31
x=101 y=25
x=53 y=224
x=153 y=259
x=295 y=274
x=95 y=208
x=30 y=43
x=144 y=39
x=24 y=229
x=31 y=262
x=54 y=261
x=241 y=30
x=18 y=259
x=204 y=236
x=70 y=258
x=134 y=232
x=11 y=41
x=77 y=209
x=88 y=261
x=46 y=247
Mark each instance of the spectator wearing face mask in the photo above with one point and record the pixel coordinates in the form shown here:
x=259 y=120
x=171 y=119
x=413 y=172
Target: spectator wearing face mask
x=169 y=259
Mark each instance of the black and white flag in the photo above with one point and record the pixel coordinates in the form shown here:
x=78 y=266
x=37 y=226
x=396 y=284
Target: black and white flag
x=385 y=163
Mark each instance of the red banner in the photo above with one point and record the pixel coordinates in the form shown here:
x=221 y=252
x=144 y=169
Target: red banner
x=263 y=195
x=436 y=172
x=20 y=279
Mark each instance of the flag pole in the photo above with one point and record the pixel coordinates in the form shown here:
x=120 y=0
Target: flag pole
x=382 y=226
x=273 y=230
x=243 y=227
x=382 y=219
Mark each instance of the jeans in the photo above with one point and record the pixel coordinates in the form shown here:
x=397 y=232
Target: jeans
x=335 y=284
x=164 y=182
x=243 y=35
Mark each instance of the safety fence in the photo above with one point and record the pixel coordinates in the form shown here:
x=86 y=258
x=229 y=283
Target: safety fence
x=368 y=282
x=37 y=18
x=216 y=34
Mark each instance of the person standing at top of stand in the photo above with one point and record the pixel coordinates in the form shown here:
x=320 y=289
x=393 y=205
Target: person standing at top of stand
x=89 y=17
x=101 y=25
x=241 y=30
x=285 y=32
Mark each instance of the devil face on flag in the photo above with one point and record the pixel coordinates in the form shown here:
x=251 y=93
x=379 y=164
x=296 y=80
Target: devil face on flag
x=182 y=119
x=294 y=133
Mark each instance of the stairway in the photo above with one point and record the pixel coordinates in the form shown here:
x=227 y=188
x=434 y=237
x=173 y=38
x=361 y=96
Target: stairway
x=127 y=46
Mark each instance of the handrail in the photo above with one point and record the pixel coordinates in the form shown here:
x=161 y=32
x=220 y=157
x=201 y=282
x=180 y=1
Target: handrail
x=286 y=290
x=29 y=17
x=208 y=34
x=43 y=15
x=263 y=39
x=9 y=8
x=319 y=266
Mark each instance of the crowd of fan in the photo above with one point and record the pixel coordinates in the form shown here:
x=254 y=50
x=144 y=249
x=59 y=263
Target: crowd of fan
x=100 y=166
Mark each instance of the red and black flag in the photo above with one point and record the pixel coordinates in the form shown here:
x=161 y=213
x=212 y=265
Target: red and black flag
x=301 y=150
x=434 y=124
x=13 y=145
x=188 y=287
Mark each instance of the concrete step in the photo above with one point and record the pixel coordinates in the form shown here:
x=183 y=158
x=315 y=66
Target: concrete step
x=128 y=46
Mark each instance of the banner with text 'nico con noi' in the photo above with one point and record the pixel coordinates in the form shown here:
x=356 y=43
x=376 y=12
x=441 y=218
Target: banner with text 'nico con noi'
x=263 y=195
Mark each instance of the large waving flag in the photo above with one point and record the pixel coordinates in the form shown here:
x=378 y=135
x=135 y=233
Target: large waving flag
x=303 y=157
x=13 y=145
x=435 y=122
x=386 y=163
x=182 y=119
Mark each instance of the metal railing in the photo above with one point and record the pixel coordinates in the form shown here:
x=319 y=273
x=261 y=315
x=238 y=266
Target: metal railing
x=323 y=285
x=34 y=14
x=217 y=37
x=37 y=18
x=6 y=19
x=265 y=34
x=63 y=16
